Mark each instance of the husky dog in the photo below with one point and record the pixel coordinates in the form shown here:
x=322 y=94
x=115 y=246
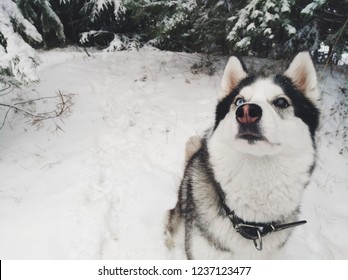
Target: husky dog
x=241 y=190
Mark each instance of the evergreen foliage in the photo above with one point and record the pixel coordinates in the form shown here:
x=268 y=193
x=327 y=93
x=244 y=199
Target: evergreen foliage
x=266 y=28
x=46 y=21
x=276 y=29
x=261 y=26
x=331 y=19
x=92 y=22
x=17 y=58
x=210 y=26
x=164 y=23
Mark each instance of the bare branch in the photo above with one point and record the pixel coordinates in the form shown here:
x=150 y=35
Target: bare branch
x=62 y=109
x=9 y=88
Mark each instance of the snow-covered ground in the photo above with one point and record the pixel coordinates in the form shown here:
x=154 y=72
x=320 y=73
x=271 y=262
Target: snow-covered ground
x=100 y=189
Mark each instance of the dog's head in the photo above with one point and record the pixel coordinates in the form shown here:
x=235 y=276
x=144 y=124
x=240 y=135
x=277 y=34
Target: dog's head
x=264 y=116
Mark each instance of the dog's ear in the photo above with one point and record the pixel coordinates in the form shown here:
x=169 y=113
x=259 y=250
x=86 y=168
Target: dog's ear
x=302 y=73
x=235 y=71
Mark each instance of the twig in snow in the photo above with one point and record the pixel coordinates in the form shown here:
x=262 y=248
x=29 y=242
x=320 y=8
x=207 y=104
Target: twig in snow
x=62 y=109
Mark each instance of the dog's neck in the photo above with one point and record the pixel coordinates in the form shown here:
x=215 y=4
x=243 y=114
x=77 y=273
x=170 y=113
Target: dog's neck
x=258 y=188
x=251 y=230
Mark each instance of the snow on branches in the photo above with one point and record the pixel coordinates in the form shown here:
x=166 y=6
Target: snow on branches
x=18 y=59
x=94 y=7
x=260 y=19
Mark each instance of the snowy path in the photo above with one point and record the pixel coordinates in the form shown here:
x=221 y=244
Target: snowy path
x=100 y=189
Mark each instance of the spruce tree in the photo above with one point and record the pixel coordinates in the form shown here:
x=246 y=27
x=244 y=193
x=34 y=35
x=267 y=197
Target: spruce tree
x=164 y=23
x=100 y=23
x=44 y=18
x=277 y=29
x=330 y=21
x=261 y=27
x=183 y=25
x=208 y=33
x=18 y=59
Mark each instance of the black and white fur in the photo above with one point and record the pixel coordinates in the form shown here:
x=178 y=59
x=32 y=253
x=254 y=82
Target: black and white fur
x=260 y=153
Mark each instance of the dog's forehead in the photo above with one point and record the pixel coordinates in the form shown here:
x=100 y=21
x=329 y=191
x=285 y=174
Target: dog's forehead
x=261 y=89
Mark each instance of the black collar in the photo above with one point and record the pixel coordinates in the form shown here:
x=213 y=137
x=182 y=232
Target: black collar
x=255 y=231
x=251 y=230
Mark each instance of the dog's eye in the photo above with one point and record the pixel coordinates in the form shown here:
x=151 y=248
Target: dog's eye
x=239 y=101
x=281 y=102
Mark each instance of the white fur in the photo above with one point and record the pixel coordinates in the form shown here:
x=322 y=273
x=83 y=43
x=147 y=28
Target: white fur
x=233 y=74
x=258 y=179
x=302 y=72
x=263 y=181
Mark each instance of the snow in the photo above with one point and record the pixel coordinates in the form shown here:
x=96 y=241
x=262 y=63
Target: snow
x=19 y=58
x=251 y=26
x=285 y=6
x=290 y=29
x=310 y=8
x=116 y=44
x=98 y=6
x=100 y=189
x=244 y=43
x=344 y=59
x=9 y=11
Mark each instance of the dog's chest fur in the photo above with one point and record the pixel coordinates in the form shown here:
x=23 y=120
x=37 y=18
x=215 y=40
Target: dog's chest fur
x=264 y=188
x=250 y=192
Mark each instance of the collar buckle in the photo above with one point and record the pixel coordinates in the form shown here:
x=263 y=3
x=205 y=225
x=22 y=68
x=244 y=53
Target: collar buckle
x=255 y=231
x=258 y=242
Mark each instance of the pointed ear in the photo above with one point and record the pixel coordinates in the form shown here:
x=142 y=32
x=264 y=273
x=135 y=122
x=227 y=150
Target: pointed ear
x=302 y=73
x=234 y=72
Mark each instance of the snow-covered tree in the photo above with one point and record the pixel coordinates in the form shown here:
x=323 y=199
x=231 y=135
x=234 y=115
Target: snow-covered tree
x=273 y=28
x=281 y=28
x=18 y=59
x=96 y=8
x=330 y=21
x=261 y=25
x=306 y=38
x=41 y=15
x=189 y=25
x=209 y=26
x=163 y=23
x=100 y=24
x=313 y=6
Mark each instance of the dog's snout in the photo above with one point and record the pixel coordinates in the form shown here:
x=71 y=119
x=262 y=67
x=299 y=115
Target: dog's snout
x=248 y=113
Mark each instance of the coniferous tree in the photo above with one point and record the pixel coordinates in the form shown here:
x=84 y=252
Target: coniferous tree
x=44 y=18
x=267 y=28
x=330 y=18
x=209 y=26
x=100 y=23
x=261 y=26
x=165 y=23
x=185 y=25
x=272 y=28
x=17 y=58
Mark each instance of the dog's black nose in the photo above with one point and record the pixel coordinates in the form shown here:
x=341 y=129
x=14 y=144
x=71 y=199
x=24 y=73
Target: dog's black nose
x=248 y=113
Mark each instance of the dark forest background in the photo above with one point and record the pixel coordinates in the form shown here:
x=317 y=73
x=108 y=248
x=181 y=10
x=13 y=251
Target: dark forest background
x=262 y=28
